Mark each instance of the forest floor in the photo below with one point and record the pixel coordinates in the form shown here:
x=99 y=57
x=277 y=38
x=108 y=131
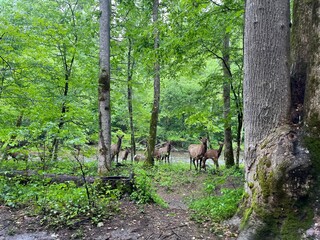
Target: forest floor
x=133 y=221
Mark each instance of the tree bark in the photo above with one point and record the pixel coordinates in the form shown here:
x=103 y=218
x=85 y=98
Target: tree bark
x=276 y=163
x=311 y=104
x=300 y=52
x=104 y=147
x=156 y=90
x=238 y=101
x=129 y=79
x=228 y=149
x=78 y=180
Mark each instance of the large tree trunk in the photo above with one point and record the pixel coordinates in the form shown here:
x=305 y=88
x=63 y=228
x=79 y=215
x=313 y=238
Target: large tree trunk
x=104 y=153
x=228 y=149
x=156 y=92
x=276 y=164
x=312 y=99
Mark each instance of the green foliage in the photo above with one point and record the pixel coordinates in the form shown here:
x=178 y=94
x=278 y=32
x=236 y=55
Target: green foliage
x=68 y=204
x=217 y=208
x=172 y=175
x=49 y=48
x=223 y=194
x=58 y=204
x=144 y=191
x=61 y=167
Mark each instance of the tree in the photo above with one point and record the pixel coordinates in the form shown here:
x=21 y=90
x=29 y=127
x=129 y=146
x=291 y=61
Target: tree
x=228 y=149
x=52 y=69
x=156 y=89
x=67 y=63
x=104 y=153
x=279 y=181
x=129 y=97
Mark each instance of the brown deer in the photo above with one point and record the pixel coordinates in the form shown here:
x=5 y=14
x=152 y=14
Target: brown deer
x=115 y=148
x=164 y=152
x=139 y=157
x=196 y=152
x=124 y=154
x=17 y=151
x=18 y=155
x=214 y=155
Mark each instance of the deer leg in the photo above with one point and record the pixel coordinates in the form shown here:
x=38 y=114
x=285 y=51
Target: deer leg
x=194 y=163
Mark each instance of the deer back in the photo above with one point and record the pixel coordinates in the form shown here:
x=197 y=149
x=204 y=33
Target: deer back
x=198 y=150
x=166 y=149
x=211 y=154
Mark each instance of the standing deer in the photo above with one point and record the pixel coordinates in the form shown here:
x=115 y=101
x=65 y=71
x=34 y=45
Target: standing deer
x=214 y=155
x=196 y=152
x=164 y=152
x=124 y=154
x=115 y=148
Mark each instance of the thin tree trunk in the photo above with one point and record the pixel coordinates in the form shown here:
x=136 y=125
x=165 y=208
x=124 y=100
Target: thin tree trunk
x=156 y=88
x=228 y=149
x=237 y=97
x=104 y=147
x=129 y=79
x=67 y=74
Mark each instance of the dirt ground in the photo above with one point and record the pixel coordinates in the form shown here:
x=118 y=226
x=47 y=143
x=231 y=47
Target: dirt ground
x=133 y=222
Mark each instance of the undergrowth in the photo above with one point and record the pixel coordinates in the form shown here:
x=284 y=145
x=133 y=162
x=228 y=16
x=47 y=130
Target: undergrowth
x=221 y=196
x=60 y=204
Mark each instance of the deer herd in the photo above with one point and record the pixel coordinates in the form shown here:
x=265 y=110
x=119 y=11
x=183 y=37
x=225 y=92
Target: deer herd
x=198 y=153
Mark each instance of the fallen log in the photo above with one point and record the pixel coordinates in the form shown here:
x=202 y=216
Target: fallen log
x=113 y=181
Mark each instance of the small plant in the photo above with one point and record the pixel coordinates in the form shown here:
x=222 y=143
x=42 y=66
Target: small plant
x=144 y=192
x=223 y=193
x=217 y=208
x=59 y=204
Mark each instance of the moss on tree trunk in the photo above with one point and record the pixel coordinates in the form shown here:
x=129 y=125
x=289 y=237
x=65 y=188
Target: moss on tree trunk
x=278 y=184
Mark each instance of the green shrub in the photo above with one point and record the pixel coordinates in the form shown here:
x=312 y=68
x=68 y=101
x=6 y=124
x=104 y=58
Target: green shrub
x=144 y=191
x=59 y=204
x=217 y=208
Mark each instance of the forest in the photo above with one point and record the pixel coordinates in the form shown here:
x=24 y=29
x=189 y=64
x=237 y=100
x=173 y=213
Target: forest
x=109 y=111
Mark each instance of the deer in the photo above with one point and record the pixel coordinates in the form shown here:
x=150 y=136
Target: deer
x=142 y=157
x=139 y=157
x=115 y=148
x=19 y=155
x=124 y=154
x=17 y=151
x=196 y=152
x=212 y=154
x=164 y=152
